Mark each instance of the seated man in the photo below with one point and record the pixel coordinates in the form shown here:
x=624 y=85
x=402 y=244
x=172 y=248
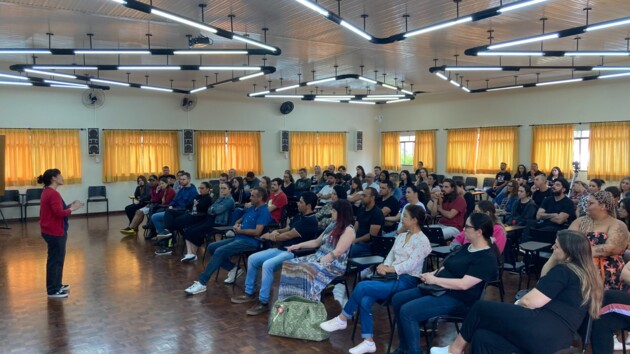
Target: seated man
x=246 y=229
x=557 y=212
x=387 y=203
x=369 y=222
x=214 y=193
x=542 y=189
x=231 y=175
x=251 y=181
x=325 y=193
x=302 y=184
x=501 y=180
x=303 y=227
x=370 y=182
x=344 y=175
x=177 y=206
x=452 y=208
x=533 y=172
x=277 y=200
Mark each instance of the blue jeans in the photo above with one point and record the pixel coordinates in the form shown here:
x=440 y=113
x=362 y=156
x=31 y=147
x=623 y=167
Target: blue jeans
x=158 y=221
x=221 y=252
x=369 y=291
x=360 y=250
x=270 y=261
x=411 y=308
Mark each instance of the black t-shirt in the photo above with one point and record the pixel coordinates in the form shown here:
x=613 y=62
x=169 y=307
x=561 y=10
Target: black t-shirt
x=391 y=203
x=530 y=177
x=479 y=264
x=366 y=218
x=305 y=225
x=539 y=196
x=564 y=205
x=503 y=177
x=563 y=287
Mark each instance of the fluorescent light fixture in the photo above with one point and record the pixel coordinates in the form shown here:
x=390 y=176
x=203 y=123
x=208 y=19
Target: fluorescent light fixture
x=246 y=77
x=505 y=88
x=50 y=73
x=314 y=7
x=385 y=96
x=612 y=68
x=150 y=67
x=25 y=51
x=325 y=100
x=71 y=86
x=55 y=82
x=466 y=89
x=110 y=52
x=515 y=6
x=179 y=19
x=252 y=42
x=363 y=78
x=473 y=68
x=284 y=96
x=260 y=93
x=597 y=54
x=441 y=76
x=199 y=89
x=337 y=97
x=209 y=52
x=63 y=67
x=512 y=54
x=407 y=92
x=611 y=76
x=542 y=37
x=620 y=22
x=455 y=83
x=361 y=102
x=153 y=88
x=438 y=26
x=354 y=29
x=390 y=87
x=120 y=1
x=559 y=82
x=280 y=89
x=380 y=98
x=315 y=82
x=219 y=68
x=396 y=101
x=16 y=83
x=110 y=82
x=17 y=77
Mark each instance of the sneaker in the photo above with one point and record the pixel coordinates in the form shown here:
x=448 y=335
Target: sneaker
x=366 y=273
x=241 y=299
x=232 y=275
x=59 y=294
x=164 y=252
x=125 y=229
x=189 y=258
x=196 y=288
x=440 y=350
x=258 y=309
x=147 y=226
x=149 y=236
x=229 y=234
x=164 y=234
x=334 y=324
x=64 y=287
x=363 y=347
x=617 y=344
x=339 y=293
x=130 y=232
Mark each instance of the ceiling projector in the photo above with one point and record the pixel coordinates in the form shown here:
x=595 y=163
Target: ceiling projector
x=199 y=42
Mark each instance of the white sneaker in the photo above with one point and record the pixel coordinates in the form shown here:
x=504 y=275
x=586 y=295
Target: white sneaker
x=229 y=234
x=363 y=347
x=339 y=293
x=440 y=350
x=196 y=288
x=189 y=257
x=334 y=324
x=366 y=273
x=232 y=275
x=617 y=344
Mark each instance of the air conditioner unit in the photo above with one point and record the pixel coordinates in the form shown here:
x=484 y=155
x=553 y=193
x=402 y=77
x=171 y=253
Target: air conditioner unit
x=284 y=141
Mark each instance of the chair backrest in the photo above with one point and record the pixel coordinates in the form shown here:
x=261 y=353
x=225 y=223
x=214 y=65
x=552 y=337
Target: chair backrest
x=381 y=245
x=458 y=178
x=435 y=235
x=34 y=194
x=214 y=182
x=488 y=182
x=10 y=195
x=440 y=179
x=284 y=216
x=546 y=236
x=97 y=191
x=471 y=182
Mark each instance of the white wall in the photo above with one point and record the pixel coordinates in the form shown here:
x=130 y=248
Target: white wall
x=137 y=109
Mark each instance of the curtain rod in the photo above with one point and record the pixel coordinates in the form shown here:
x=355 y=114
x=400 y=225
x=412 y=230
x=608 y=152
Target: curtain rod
x=44 y=128
x=227 y=131
x=318 y=131
x=608 y=121
x=496 y=126
x=410 y=131
x=148 y=130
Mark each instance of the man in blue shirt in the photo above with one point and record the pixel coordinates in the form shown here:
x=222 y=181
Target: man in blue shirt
x=246 y=229
x=177 y=206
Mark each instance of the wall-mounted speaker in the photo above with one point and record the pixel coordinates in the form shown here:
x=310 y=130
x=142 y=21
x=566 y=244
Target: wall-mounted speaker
x=188 y=146
x=284 y=141
x=94 y=142
x=358 y=141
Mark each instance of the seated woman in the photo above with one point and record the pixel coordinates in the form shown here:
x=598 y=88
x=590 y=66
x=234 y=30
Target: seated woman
x=524 y=210
x=161 y=196
x=555 y=174
x=578 y=191
x=355 y=195
x=594 y=186
x=551 y=313
x=405 y=181
x=463 y=275
x=422 y=175
x=498 y=233
x=405 y=259
x=141 y=197
x=237 y=191
x=411 y=194
x=505 y=201
x=623 y=213
x=323 y=216
x=624 y=187
x=308 y=276
x=288 y=184
x=613 y=317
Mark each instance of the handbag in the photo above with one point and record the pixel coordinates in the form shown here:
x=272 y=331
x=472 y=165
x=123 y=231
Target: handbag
x=432 y=289
x=385 y=277
x=297 y=317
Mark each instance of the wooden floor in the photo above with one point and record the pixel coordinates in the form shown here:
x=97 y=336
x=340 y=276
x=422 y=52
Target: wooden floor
x=124 y=299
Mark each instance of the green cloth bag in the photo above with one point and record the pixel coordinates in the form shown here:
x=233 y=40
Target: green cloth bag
x=297 y=317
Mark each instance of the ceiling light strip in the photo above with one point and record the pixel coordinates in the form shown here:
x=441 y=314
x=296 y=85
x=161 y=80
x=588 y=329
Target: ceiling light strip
x=505 y=88
x=473 y=68
x=110 y=82
x=64 y=67
x=539 y=38
x=284 y=96
x=438 y=26
x=149 y=67
x=16 y=83
x=354 y=29
x=11 y=76
x=311 y=5
x=24 y=51
x=110 y=52
x=612 y=68
x=519 y=5
x=608 y=24
x=153 y=88
x=320 y=81
x=250 y=76
x=199 y=89
x=228 y=68
x=50 y=73
x=280 y=89
x=559 y=82
x=611 y=76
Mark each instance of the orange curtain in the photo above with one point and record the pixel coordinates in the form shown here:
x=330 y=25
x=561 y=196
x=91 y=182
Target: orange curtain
x=130 y=153
x=609 y=148
x=211 y=154
x=244 y=152
x=425 y=149
x=552 y=145
x=18 y=169
x=497 y=145
x=461 y=150
x=390 y=151
x=308 y=149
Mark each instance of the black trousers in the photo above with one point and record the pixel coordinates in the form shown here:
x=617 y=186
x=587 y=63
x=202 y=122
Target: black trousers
x=179 y=219
x=54 y=263
x=605 y=327
x=131 y=209
x=197 y=232
x=499 y=328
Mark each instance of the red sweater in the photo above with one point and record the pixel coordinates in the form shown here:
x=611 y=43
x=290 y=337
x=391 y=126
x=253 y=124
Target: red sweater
x=52 y=213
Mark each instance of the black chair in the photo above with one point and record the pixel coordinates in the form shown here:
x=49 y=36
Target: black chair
x=33 y=197
x=380 y=247
x=471 y=183
x=435 y=235
x=440 y=179
x=96 y=194
x=487 y=182
x=458 y=178
x=10 y=199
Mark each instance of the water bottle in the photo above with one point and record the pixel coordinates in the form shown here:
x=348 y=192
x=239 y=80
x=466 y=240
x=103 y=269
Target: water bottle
x=194 y=210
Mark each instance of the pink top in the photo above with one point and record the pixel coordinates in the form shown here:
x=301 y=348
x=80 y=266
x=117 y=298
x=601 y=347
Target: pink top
x=497 y=234
x=408 y=258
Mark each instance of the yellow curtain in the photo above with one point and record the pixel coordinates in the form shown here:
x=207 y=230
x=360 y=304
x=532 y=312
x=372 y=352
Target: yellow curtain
x=18 y=169
x=425 y=149
x=461 y=146
x=244 y=152
x=130 y=153
x=211 y=154
x=308 y=149
x=609 y=147
x=390 y=151
x=497 y=145
x=552 y=145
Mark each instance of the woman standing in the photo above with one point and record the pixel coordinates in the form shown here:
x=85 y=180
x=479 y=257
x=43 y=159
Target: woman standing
x=53 y=221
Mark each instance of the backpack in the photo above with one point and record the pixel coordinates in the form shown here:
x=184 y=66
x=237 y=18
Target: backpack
x=297 y=317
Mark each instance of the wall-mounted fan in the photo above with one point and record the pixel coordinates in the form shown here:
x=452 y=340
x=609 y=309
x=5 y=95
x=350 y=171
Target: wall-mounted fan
x=188 y=102
x=93 y=98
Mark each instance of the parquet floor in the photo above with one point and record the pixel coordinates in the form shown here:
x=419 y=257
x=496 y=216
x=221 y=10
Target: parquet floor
x=124 y=299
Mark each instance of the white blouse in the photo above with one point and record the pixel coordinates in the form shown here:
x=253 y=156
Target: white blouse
x=409 y=258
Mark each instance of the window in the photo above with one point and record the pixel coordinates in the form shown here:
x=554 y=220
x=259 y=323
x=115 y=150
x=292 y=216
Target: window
x=580 y=148
x=407 y=146
x=219 y=151
x=308 y=149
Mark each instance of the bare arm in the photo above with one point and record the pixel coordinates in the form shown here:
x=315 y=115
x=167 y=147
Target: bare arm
x=447 y=213
x=464 y=283
x=616 y=242
x=374 y=231
x=315 y=243
x=533 y=300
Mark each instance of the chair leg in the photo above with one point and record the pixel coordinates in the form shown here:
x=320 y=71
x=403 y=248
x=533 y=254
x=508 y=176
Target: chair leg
x=392 y=324
x=107 y=213
x=87 y=208
x=391 y=337
x=623 y=341
x=355 y=319
x=501 y=289
x=4 y=221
